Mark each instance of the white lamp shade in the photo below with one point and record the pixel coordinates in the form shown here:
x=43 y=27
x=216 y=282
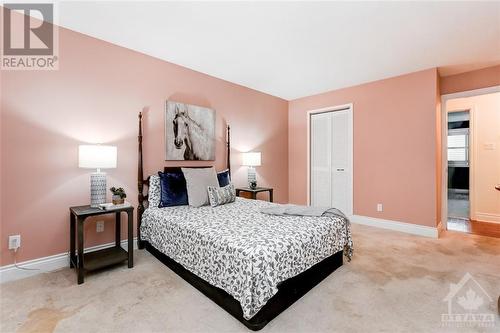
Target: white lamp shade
x=251 y=159
x=96 y=156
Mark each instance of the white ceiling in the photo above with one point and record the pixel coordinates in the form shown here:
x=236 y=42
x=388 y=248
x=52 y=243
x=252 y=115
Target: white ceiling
x=296 y=49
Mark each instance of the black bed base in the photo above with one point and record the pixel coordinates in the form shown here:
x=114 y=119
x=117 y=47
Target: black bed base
x=289 y=290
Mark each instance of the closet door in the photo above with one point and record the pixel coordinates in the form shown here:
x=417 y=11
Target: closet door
x=321 y=159
x=330 y=168
x=340 y=161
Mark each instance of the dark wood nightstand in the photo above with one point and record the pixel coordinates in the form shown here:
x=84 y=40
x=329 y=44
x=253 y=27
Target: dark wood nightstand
x=253 y=191
x=98 y=259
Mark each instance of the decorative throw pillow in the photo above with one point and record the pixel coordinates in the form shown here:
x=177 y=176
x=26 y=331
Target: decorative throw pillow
x=224 y=178
x=154 y=191
x=221 y=195
x=197 y=181
x=173 y=189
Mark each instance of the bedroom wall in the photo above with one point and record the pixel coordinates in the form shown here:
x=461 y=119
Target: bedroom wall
x=481 y=78
x=395 y=143
x=95 y=96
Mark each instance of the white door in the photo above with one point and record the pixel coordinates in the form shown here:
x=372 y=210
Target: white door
x=331 y=170
x=340 y=161
x=321 y=160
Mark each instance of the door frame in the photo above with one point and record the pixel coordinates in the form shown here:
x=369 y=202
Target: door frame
x=444 y=148
x=350 y=140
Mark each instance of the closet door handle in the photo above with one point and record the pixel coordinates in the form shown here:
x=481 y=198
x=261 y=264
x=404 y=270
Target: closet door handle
x=340 y=169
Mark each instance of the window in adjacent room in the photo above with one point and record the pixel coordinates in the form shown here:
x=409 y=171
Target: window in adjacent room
x=458 y=138
x=458 y=148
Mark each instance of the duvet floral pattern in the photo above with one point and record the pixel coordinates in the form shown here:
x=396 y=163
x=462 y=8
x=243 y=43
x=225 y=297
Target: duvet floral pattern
x=242 y=251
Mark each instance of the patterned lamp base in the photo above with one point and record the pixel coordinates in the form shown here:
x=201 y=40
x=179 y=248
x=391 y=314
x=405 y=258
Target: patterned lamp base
x=252 y=177
x=97 y=188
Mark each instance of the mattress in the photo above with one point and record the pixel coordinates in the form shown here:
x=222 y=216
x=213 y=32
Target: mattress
x=237 y=248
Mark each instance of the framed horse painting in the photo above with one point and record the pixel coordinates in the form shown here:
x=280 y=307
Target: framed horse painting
x=189 y=132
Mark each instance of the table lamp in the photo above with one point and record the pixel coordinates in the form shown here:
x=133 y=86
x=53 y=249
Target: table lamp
x=97 y=157
x=252 y=159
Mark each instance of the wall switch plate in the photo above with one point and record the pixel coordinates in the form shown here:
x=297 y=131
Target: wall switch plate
x=14 y=242
x=489 y=146
x=99 y=227
x=380 y=207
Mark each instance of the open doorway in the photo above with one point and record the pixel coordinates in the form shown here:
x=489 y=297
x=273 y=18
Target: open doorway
x=458 y=155
x=471 y=162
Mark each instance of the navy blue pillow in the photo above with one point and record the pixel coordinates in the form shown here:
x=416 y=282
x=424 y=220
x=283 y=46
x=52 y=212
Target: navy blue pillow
x=224 y=178
x=173 y=189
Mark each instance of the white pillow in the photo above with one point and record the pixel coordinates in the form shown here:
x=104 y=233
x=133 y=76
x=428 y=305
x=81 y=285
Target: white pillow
x=197 y=182
x=154 y=191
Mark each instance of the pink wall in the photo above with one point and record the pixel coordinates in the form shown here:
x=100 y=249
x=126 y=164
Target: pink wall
x=481 y=78
x=395 y=130
x=95 y=97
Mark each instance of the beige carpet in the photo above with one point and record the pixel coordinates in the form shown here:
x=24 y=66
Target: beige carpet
x=395 y=282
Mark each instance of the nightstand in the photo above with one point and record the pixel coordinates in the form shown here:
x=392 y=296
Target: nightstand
x=84 y=262
x=253 y=191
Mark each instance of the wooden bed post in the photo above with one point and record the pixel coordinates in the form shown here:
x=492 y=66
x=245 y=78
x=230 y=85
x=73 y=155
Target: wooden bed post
x=140 y=187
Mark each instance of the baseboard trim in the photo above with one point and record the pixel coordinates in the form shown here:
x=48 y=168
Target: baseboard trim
x=487 y=217
x=440 y=229
x=48 y=264
x=408 y=228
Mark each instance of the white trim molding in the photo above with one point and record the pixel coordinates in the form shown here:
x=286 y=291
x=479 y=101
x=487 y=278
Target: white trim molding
x=440 y=228
x=48 y=264
x=487 y=217
x=409 y=228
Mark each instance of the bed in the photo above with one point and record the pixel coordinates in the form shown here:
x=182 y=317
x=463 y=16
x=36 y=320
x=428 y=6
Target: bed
x=251 y=264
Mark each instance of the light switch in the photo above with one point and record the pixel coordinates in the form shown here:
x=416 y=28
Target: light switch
x=489 y=146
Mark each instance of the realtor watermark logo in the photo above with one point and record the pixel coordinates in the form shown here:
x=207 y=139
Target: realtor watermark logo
x=29 y=37
x=468 y=305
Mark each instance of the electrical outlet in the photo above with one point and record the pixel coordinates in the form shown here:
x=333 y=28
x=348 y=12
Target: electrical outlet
x=14 y=242
x=99 y=227
x=380 y=207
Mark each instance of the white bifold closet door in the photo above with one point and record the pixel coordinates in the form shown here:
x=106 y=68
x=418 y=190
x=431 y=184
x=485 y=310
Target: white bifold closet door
x=330 y=160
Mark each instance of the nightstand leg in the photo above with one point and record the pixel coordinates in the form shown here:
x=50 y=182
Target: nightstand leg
x=271 y=195
x=254 y=195
x=130 y=240
x=72 y=257
x=80 y=250
x=118 y=222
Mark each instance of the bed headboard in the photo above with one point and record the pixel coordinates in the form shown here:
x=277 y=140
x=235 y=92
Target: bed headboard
x=141 y=182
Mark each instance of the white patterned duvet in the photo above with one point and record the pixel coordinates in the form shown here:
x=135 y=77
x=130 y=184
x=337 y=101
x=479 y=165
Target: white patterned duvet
x=242 y=251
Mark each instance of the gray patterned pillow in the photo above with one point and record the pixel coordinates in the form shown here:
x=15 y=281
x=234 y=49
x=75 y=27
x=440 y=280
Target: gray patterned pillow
x=221 y=195
x=154 y=191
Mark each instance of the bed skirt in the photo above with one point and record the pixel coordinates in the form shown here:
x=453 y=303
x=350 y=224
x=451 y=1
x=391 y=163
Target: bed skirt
x=289 y=290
